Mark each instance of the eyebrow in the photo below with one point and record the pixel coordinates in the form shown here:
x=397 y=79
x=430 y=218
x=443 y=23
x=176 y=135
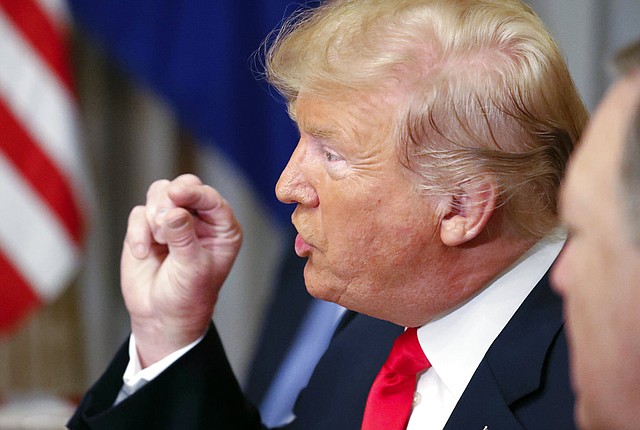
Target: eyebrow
x=321 y=133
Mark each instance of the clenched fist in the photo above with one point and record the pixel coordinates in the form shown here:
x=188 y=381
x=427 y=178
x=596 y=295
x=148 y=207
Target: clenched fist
x=179 y=248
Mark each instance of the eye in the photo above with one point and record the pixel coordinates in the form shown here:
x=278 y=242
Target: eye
x=330 y=156
x=335 y=164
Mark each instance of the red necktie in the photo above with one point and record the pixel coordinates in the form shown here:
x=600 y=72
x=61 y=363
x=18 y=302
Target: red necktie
x=389 y=402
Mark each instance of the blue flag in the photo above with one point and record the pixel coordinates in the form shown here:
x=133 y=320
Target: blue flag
x=199 y=56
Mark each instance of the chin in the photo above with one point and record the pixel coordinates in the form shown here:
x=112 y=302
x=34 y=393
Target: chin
x=321 y=292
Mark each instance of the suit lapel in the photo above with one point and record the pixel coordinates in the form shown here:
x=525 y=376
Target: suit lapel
x=513 y=366
x=482 y=405
x=337 y=391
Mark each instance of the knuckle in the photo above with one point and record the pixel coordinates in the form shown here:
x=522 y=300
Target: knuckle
x=156 y=186
x=189 y=178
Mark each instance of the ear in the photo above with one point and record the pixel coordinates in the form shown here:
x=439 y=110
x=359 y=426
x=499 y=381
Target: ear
x=468 y=212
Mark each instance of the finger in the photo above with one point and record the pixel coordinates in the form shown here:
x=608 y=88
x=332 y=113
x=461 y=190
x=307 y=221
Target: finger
x=156 y=193
x=179 y=232
x=157 y=205
x=157 y=198
x=138 y=237
x=204 y=200
x=188 y=179
x=189 y=192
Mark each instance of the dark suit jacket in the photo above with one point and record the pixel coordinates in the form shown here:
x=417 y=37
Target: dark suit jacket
x=523 y=380
x=521 y=383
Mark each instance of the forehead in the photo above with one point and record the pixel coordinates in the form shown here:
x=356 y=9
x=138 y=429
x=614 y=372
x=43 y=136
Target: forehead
x=593 y=172
x=350 y=108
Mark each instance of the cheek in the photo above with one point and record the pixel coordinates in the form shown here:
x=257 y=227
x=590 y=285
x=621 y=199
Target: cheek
x=348 y=215
x=377 y=230
x=383 y=248
x=593 y=309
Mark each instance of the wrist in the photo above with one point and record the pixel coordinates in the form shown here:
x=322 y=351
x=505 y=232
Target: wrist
x=156 y=340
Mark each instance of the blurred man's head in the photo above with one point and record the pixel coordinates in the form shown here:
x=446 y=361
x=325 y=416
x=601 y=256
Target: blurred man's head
x=599 y=270
x=433 y=132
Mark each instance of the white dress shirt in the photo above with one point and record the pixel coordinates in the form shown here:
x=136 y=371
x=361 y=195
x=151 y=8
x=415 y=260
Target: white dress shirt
x=135 y=377
x=456 y=342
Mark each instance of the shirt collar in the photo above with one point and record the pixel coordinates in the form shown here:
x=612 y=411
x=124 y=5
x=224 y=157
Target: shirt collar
x=456 y=342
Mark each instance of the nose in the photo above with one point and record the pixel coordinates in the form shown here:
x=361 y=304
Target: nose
x=293 y=185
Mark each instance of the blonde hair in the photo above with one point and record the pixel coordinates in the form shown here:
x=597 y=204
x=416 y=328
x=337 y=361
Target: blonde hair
x=486 y=90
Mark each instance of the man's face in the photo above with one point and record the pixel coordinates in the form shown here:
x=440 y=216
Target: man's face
x=599 y=272
x=369 y=235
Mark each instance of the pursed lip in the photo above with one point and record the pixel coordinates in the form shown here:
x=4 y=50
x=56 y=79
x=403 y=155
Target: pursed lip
x=302 y=248
x=302 y=223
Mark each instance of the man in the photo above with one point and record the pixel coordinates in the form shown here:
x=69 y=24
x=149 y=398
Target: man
x=599 y=270
x=433 y=136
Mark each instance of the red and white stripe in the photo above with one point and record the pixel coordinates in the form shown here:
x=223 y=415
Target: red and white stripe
x=41 y=169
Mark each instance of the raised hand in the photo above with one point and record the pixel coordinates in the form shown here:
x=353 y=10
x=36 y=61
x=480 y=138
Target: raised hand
x=179 y=248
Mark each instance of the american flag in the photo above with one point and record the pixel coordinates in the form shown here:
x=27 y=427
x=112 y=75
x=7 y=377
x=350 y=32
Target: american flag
x=41 y=218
